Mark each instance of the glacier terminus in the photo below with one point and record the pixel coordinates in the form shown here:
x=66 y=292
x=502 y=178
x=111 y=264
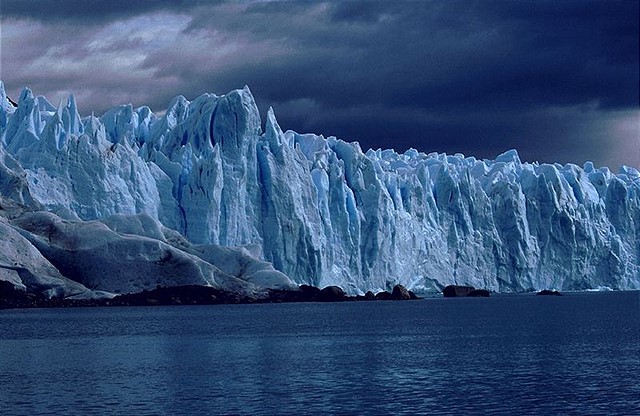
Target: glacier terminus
x=243 y=204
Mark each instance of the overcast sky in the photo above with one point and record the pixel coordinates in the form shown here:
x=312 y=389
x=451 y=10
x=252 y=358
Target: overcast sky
x=556 y=80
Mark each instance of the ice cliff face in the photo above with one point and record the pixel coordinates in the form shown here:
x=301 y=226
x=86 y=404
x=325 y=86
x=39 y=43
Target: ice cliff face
x=319 y=209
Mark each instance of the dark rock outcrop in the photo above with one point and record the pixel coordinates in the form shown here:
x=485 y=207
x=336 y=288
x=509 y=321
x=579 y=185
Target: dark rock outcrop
x=180 y=295
x=12 y=297
x=455 y=291
x=384 y=295
x=547 y=292
x=310 y=292
x=400 y=293
x=331 y=294
x=367 y=296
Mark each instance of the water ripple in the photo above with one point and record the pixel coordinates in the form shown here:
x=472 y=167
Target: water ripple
x=579 y=354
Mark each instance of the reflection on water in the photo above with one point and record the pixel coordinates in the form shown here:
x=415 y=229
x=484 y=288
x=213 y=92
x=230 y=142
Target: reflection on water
x=576 y=354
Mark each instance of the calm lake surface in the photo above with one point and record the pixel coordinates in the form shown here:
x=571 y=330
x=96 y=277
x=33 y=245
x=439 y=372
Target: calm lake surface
x=508 y=354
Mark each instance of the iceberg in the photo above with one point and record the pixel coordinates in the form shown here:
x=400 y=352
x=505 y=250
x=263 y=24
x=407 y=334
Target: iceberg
x=320 y=210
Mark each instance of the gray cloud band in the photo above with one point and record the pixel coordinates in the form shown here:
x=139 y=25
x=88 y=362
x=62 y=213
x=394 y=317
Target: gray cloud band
x=472 y=77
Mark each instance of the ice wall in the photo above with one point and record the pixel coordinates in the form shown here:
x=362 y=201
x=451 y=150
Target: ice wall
x=323 y=211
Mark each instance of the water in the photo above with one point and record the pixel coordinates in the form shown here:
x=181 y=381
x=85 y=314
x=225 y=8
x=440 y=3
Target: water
x=509 y=354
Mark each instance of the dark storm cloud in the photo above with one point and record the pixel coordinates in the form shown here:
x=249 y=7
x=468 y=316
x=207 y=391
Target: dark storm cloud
x=474 y=77
x=431 y=54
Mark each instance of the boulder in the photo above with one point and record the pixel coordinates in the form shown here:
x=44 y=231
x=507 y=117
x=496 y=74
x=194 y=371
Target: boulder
x=400 y=293
x=455 y=291
x=331 y=294
x=367 y=296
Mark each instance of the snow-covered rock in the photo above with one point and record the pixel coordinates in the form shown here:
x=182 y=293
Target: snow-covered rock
x=42 y=252
x=26 y=268
x=319 y=209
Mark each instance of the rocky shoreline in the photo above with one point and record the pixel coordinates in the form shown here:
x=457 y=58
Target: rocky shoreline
x=10 y=297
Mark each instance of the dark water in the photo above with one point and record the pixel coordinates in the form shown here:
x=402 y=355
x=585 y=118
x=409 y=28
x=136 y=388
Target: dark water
x=517 y=354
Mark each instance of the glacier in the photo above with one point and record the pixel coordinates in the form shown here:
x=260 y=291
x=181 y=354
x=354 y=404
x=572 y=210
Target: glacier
x=321 y=210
